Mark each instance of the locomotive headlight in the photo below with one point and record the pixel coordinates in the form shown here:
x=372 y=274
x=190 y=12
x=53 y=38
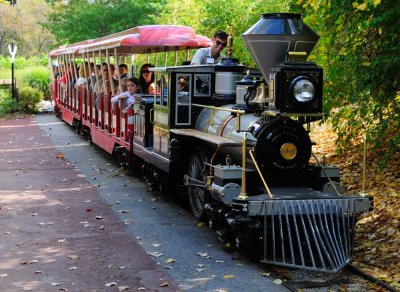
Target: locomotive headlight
x=303 y=89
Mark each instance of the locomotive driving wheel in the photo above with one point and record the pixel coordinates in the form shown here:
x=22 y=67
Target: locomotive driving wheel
x=197 y=191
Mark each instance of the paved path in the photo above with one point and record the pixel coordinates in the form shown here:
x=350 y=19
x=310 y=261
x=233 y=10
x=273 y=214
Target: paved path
x=56 y=233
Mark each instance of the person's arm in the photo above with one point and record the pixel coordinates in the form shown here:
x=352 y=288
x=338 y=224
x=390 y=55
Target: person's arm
x=115 y=99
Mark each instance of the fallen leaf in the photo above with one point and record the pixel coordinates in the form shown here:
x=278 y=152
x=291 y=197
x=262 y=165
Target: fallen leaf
x=165 y=284
x=39 y=272
x=266 y=274
x=55 y=284
x=3 y=275
x=277 y=281
x=123 y=288
x=110 y=284
x=155 y=254
x=228 y=276
x=156 y=244
x=200 y=224
x=73 y=268
x=59 y=155
x=99 y=217
x=73 y=257
x=62 y=241
x=204 y=255
x=141 y=288
x=170 y=261
x=27 y=289
x=121 y=267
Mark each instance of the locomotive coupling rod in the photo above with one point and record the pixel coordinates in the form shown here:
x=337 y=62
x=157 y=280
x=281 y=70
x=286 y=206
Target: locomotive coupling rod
x=189 y=181
x=259 y=173
x=243 y=194
x=327 y=176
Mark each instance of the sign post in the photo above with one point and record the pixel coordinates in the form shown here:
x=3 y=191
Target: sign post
x=13 y=51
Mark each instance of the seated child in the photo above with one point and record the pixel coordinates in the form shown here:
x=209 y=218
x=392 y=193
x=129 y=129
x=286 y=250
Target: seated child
x=130 y=96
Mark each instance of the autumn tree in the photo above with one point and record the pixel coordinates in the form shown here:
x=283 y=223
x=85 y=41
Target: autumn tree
x=21 y=24
x=359 y=50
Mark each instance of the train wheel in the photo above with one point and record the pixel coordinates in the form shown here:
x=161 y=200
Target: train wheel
x=197 y=195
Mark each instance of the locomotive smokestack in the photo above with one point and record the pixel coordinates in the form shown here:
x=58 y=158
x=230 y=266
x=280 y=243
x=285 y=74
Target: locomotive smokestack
x=274 y=35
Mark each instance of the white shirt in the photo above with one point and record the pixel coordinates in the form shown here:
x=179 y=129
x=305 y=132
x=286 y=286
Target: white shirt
x=203 y=57
x=126 y=99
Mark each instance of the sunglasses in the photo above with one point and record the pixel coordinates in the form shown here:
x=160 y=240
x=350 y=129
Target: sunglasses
x=145 y=71
x=219 y=43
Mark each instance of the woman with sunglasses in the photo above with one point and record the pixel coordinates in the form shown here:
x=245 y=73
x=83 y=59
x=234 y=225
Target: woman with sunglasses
x=146 y=79
x=213 y=54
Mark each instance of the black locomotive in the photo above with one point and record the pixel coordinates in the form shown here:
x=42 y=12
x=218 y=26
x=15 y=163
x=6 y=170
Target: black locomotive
x=237 y=139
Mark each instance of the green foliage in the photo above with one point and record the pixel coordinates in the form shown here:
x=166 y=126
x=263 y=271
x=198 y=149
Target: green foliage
x=36 y=77
x=22 y=62
x=29 y=97
x=72 y=21
x=211 y=15
x=359 y=50
x=7 y=103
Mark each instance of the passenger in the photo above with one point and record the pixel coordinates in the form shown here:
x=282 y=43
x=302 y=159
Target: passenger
x=95 y=77
x=83 y=81
x=124 y=85
x=123 y=70
x=146 y=79
x=130 y=96
x=182 y=84
x=211 y=55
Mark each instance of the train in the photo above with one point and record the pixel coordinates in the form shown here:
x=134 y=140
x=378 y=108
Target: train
x=236 y=141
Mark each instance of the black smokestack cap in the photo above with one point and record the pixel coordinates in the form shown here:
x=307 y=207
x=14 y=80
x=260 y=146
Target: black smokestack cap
x=274 y=35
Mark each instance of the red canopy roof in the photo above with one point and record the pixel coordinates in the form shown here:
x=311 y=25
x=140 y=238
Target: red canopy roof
x=143 y=39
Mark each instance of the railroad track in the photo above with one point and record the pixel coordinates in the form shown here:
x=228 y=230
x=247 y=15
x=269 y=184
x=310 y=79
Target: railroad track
x=351 y=278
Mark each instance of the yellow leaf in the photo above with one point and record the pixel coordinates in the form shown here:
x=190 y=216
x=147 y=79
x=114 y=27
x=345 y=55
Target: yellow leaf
x=366 y=64
x=380 y=30
x=170 y=261
x=362 y=6
x=228 y=276
x=59 y=155
x=200 y=224
x=377 y=2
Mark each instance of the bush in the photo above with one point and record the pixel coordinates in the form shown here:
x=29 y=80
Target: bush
x=7 y=103
x=29 y=98
x=36 y=77
x=22 y=62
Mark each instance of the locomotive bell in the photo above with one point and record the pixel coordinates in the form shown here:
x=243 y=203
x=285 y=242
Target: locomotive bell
x=261 y=94
x=274 y=35
x=242 y=89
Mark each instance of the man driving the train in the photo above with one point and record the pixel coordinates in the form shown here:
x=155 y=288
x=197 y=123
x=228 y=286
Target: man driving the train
x=211 y=55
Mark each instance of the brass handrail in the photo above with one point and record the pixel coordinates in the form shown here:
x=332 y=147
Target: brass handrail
x=213 y=108
x=243 y=192
x=260 y=174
